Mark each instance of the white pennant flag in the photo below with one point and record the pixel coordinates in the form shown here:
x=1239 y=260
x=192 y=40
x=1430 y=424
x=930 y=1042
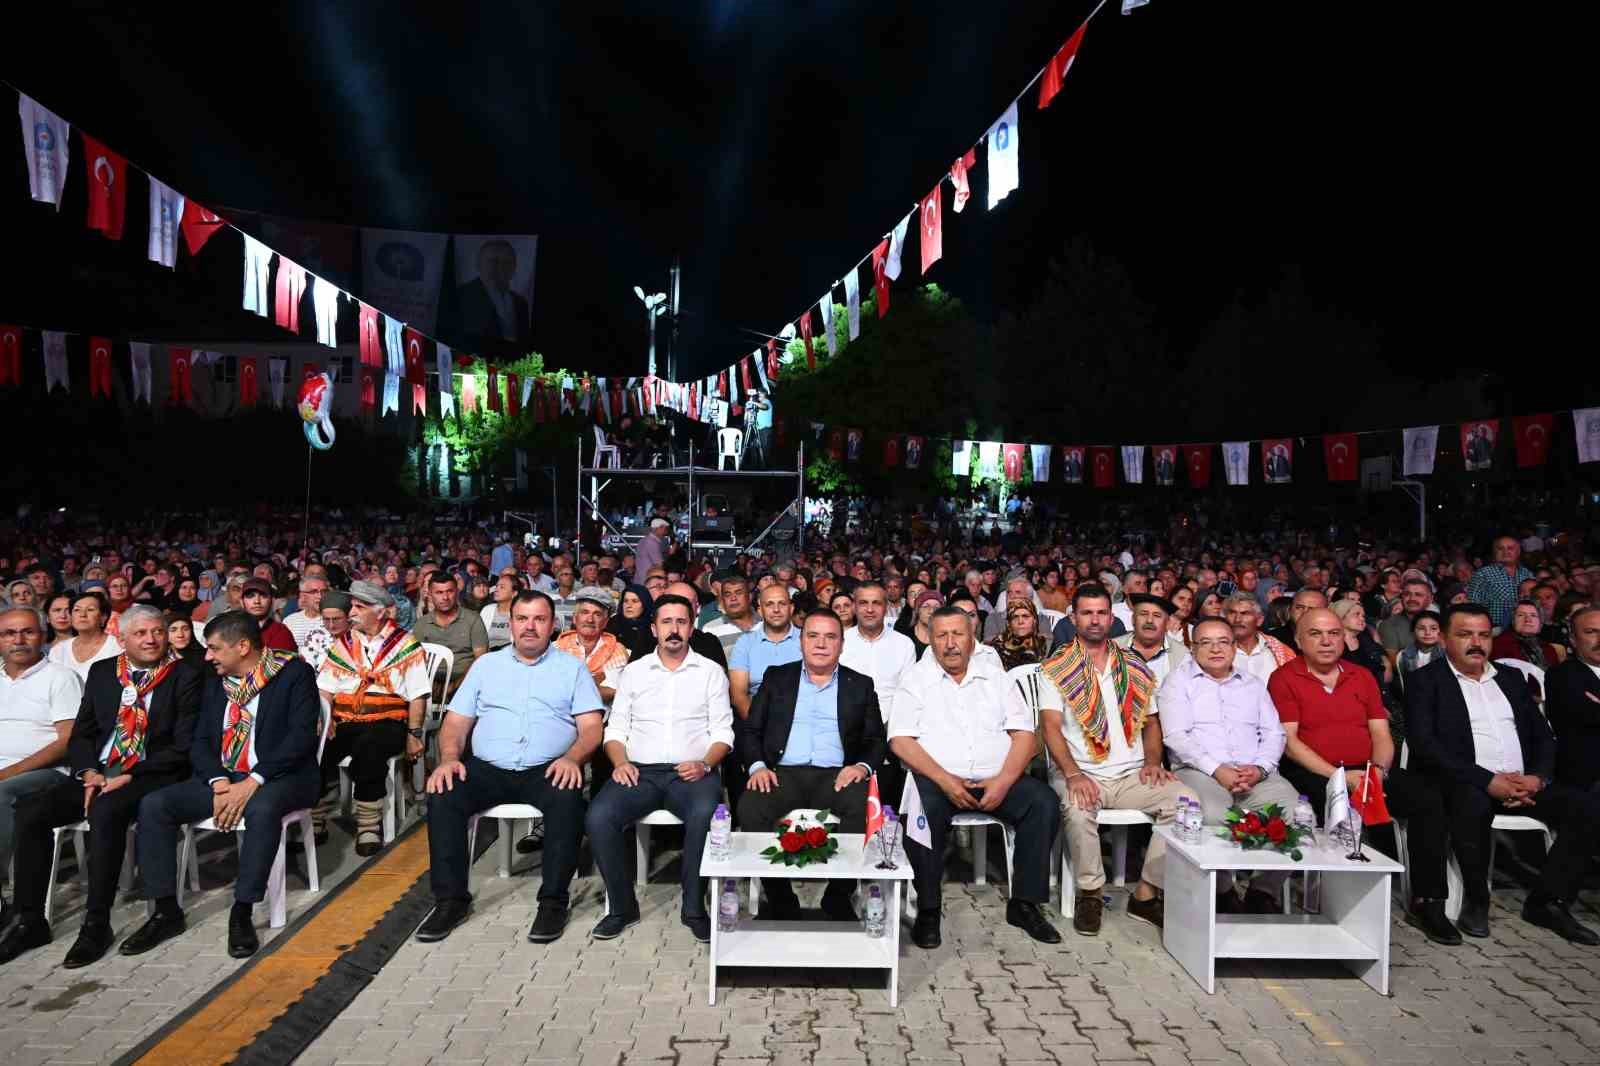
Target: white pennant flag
x=1133 y=463
x=759 y=358
x=989 y=458
x=897 y=244
x=1129 y=5
x=1236 y=461
x=1041 y=462
x=1586 y=427
x=391 y=393
x=140 y=359
x=44 y=141
x=1422 y=444
x=960 y=458
x=394 y=346
x=527 y=390
x=166 y=208
x=55 y=361
x=1004 y=174
x=826 y=304
x=912 y=816
x=852 y=300
x=276 y=368
x=445 y=360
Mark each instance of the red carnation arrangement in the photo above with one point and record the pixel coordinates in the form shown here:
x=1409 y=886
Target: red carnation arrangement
x=1263 y=830
x=803 y=842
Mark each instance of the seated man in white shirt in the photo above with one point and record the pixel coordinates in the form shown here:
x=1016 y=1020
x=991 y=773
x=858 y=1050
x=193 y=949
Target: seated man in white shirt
x=874 y=649
x=966 y=737
x=670 y=725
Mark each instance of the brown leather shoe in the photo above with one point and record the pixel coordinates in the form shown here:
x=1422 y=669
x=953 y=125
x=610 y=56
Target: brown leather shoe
x=1149 y=910
x=1086 y=914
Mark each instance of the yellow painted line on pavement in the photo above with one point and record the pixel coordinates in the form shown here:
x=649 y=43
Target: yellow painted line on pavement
x=1315 y=1023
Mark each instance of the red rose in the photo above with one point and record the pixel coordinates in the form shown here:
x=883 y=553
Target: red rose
x=791 y=842
x=816 y=836
x=1252 y=823
x=1277 y=831
x=1237 y=830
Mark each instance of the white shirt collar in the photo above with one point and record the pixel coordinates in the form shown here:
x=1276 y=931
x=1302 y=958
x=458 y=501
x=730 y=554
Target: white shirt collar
x=30 y=671
x=1488 y=673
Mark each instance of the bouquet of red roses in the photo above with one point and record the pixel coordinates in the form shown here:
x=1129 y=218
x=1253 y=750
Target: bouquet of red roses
x=803 y=841
x=1265 y=829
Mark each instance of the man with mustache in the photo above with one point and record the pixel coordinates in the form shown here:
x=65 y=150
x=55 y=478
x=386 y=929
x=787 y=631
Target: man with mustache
x=1477 y=730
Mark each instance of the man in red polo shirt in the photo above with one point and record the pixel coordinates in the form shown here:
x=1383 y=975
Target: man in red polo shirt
x=1333 y=716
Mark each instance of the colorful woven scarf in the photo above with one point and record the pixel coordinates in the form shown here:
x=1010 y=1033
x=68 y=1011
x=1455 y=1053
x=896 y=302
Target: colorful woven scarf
x=133 y=719
x=397 y=650
x=1070 y=671
x=240 y=691
x=1281 y=652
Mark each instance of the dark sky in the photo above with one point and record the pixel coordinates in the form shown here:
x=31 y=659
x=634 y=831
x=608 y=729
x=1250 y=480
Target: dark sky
x=1207 y=145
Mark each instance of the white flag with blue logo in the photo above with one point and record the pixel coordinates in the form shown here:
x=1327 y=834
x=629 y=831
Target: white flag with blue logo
x=826 y=304
x=445 y=361
x=1004 y=175
x=166 y=208
x=897 y=245
x=44 y=141
x=852 y=300
x=912 y=815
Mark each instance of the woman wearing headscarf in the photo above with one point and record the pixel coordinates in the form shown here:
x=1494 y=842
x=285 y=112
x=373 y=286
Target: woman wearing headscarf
x=1021 y=643
x=921 y=636
x=631 y=623
x=1520 y=640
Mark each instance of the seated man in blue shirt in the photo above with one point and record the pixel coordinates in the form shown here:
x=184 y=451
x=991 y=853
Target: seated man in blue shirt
x=812 y=737
x=774 y=642
x=534 y=716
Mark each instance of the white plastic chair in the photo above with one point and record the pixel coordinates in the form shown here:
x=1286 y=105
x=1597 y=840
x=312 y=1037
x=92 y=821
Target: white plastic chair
x=394 y=804
x=605 y=450
x=434 y=656
x=730 y=445
x=277 y=889
x=80 y=834
x=1118 y=822
x=1530 y=673
x=507 y=814
x=641 y=832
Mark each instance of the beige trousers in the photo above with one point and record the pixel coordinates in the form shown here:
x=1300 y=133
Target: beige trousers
x=1125 y=793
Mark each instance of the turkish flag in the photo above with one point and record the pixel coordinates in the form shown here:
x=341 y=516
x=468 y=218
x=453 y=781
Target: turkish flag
x=1533 y=438
x=10 y=355
x=619 y=400
x=199 y=225
x=694 y=401
x=880 y=279
x=494 y=388
x=722 y=384
x=891 y=452
x=179 y=389
x=371 y=336
x=1197 y=460
x=416 y=352
x=108 y=188
x=932 y=215
x=469 y=391
x=805 y=335
x=538 y=400
x=369 y=388
x=1012 y=461
x=744 y=372
x=1342 y=454
x=874 y=805
x=100 y=367
x=1102 y=462
x=1060 y=63
x=836 y=445
x=247 y=381
x=1368 y=799
x=419 y=400
x=958 y=178
x=513 y=394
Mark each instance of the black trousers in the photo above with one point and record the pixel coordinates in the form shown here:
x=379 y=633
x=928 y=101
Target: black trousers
x=370 y=746
x=799 y=788
x=1409 y=795
x=487 y=785
x=1030 y=808
x=617 y=807
x=164 y=810
x=1471 y=814
x=109 y=817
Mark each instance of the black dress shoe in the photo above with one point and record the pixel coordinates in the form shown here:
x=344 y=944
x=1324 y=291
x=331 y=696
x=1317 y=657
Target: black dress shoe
x=548 y=924
x=612 y=925
x=23 y=934
x=92 y=943
x=1474 y=920
x=700 y=927
x=925 y=932
x=1428 y=916
x=1088 y=910
x=242 y=939
x=1552 y=914
x=533 y=841
x=1031 y=920
x=160 y=928
x=445 y=916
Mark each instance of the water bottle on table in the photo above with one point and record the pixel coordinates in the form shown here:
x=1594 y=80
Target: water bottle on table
x=728 y=907
x=721 y=833
x=1305 y=818
x=874 y=919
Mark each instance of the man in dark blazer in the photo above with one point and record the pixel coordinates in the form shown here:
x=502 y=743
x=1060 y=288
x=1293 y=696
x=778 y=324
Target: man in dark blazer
x=132 y=736
x=254 y=759
x=1572 y=702
x=811 y=741
x=488 y=306
x=1478 y=732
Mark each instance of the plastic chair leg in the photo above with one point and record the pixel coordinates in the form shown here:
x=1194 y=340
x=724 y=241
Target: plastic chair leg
x=980 y=855
x=277 y=910
x=1119 y=855
x=641 y=835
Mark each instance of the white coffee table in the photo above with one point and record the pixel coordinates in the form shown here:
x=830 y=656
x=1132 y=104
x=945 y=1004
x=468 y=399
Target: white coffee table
x=824 y=944
x=1352 y=928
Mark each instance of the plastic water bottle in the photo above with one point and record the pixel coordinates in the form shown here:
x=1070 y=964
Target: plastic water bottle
x=1197 y=822
x=728 y=907
x=1188 y=827
x=875 y=914
x=1305 y=818
x=721 y=832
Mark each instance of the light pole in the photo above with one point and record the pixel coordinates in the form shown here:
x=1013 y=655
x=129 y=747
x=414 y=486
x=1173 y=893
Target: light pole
x=654 y=307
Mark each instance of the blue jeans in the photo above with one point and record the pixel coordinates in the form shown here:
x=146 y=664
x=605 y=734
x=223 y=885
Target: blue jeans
x=13 y=789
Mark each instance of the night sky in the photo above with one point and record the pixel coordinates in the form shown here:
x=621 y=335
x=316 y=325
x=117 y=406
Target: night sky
x=1210 y=147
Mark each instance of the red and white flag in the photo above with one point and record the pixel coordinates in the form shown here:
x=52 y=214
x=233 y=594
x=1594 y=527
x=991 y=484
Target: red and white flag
x=1103 y=466
x=10 y=355
x=1011 y=461
x=1197 y=459
x=180 y=389
x=891 y=452
x=100 y=367
x=1343 y=456
x=415 y=345
x=805 y=335
x=513 y=394
x=874 y=808
x=494 y=388
x=1533 y=438
x=247 y=381
x=1056 y=72
x=880 y=280
x=932 y=221
x=200 y=224
x=958 y=178
x=369 y=389
x=371 y=335
x=108 y=189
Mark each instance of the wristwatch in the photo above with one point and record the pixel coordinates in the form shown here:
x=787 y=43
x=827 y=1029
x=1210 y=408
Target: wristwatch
x=417 y=732
x=706 y=767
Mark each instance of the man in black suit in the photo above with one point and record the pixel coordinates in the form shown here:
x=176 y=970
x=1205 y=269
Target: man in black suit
x=254 y=759
x=132 y=737
x=1477 y=730
x=1572 y=702
x=487 y=304
x=811 y=740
